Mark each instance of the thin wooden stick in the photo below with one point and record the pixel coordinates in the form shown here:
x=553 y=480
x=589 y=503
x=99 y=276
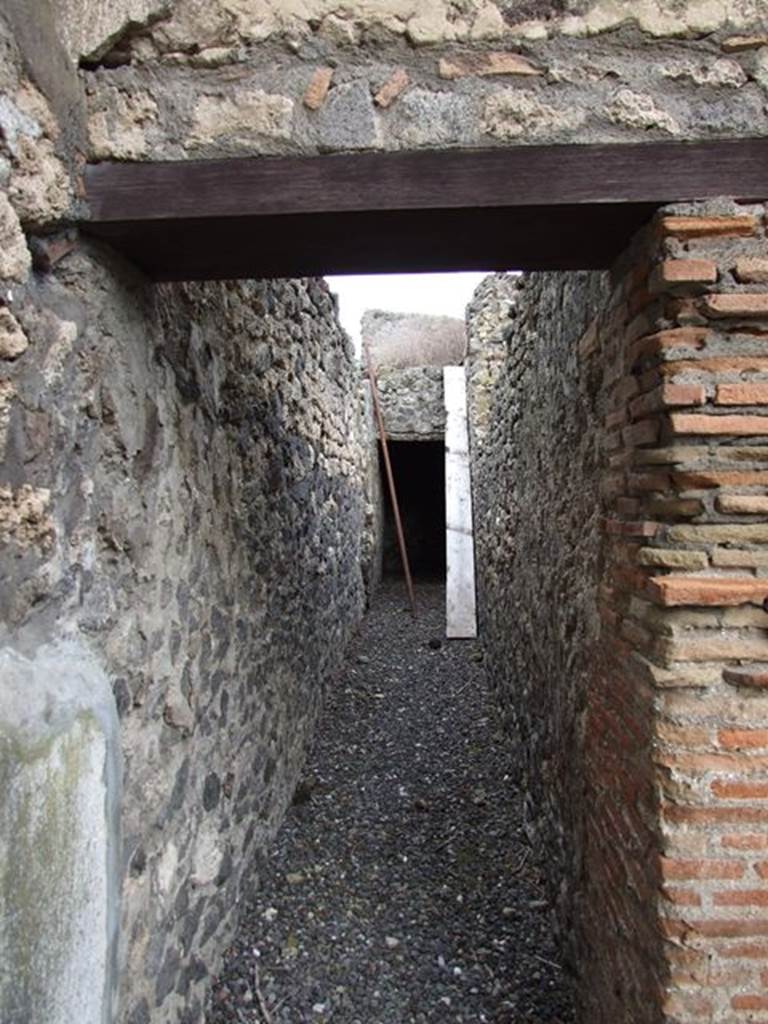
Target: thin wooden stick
x=262 y=1003
x=390 y=480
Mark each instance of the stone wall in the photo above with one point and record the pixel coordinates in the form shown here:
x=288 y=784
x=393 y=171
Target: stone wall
x=488 y=322
x=412 y=404
x=181 y=498
x=183 y=490
x=402 y=340
x=373 y=532
x=624 y=622
x=270 y=76
x=537 y=528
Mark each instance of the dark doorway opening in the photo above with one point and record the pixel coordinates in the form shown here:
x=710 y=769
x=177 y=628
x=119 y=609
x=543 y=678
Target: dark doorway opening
x=419 y=471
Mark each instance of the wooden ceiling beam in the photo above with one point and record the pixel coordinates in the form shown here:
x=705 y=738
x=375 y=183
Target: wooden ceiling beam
x=530 y=207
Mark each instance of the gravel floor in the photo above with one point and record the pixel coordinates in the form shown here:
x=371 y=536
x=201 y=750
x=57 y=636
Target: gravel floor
x=401 y=889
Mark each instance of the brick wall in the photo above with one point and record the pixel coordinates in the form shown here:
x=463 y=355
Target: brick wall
x=657 y=776
x=683 y=350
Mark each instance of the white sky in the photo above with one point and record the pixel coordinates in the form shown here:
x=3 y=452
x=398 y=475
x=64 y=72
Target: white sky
x=438 y=294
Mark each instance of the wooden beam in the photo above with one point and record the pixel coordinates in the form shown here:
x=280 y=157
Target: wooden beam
x=447 y=179
x=531 y=207
x=539 y=238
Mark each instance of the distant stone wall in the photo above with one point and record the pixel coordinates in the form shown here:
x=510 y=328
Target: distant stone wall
x=620 y=514
x=373 y=533
x=401 y=340
x=412 y=403
x=488 y=323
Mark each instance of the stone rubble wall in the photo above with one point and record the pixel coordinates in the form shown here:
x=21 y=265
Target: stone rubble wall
x=235 y=77
x=181 y=497
x=183 y=488
x=373 y=533
x=412 y=403
x=537 y=534
x=488 y=321
x=624 y=622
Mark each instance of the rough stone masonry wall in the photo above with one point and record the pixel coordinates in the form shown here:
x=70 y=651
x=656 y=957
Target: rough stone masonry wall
x=276 y=76
x=536 y=465
x=180 y=501
x=625 y=628
x=184 y=497
x=488 y=323
x=412 y=402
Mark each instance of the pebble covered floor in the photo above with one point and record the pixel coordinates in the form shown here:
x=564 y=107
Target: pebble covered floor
x=402 y=888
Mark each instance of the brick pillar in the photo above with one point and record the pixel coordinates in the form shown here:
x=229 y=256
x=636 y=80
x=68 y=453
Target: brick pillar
x=675 y=888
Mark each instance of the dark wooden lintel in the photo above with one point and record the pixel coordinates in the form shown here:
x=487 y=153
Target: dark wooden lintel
x=530 y=207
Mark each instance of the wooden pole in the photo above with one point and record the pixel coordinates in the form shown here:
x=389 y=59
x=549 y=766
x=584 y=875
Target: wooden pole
x=390 y=480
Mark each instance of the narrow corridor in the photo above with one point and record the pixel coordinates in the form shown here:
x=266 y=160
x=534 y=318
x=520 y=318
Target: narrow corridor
x=402 y=888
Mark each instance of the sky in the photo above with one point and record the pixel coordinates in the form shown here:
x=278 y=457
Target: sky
x=439 y=294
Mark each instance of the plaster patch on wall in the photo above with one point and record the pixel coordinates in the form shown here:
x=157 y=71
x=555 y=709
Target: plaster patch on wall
x=59 y=838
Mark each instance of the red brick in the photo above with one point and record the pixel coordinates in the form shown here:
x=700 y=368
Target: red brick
x=742 y=739
x=740 y=790
x=678 y=870
x=483 y=64
x=745 y=951
x=706 y=590
x=715 y=364
x=394 y=85
x=683 y=735
x=745 y=840
x=689 y=1003
x=736 y=304
x=755 y=1002
x=700 y=478
x=318 y=87
x=761 y=867
x=683 y=394
x=741 y=898
x=681 y=896
x=695 y=763
x=741 y=676
x=742 y=394
x=728 y=929
x=667 y=396
x=715 y=815
x=702 y=227
x=684 y=271
x=696 y=423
